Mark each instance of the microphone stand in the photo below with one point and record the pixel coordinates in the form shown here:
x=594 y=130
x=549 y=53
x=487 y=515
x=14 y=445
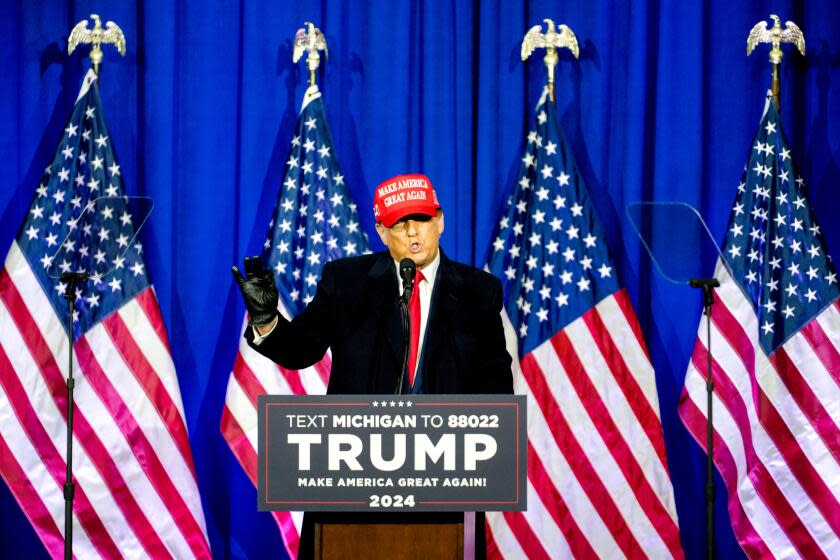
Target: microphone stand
x=707 y=285
x=408 y=285
x=72 y=279
x=406 y=325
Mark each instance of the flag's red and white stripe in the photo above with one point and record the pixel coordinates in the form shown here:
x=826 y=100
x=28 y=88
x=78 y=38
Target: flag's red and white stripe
x=598 y=483
x=253 y=375
x=776 y=422
x=136 y=493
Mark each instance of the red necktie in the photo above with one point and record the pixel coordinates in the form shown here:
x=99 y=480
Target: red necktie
x=414 y=314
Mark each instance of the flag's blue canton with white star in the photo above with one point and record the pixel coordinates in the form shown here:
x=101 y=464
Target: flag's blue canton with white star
x=773 y=244
x=549 y=248
x=315 y=220
x=58 y=235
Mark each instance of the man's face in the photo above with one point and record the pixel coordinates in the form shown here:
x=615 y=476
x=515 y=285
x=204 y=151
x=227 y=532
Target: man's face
x=416 y=236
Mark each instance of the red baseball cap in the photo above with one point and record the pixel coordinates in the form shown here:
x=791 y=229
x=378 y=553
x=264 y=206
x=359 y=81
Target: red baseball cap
x=403 y=195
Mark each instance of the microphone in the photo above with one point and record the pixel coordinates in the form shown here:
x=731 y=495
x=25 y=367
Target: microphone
x=407 y=271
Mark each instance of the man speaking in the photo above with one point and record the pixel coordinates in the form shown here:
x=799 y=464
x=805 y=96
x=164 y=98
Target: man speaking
x=407 y=320
x=456 y=342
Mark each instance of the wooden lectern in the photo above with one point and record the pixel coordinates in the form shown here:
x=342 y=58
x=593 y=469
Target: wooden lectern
x=389 y=541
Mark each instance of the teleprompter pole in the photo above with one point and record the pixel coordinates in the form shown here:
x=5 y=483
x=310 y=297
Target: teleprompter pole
x=72 y=279
x=708 y=285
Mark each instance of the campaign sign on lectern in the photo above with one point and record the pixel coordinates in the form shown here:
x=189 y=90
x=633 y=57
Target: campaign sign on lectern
x=392 y=453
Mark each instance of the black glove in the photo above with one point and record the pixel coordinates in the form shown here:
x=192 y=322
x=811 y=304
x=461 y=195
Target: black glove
x=258 y=290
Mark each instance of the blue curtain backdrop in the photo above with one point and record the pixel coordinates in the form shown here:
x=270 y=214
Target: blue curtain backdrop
x=662 y=104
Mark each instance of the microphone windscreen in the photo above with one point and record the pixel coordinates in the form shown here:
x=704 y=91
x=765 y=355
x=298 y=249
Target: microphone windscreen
x=407 y=269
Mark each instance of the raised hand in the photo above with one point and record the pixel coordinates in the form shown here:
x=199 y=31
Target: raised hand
x=258 y=290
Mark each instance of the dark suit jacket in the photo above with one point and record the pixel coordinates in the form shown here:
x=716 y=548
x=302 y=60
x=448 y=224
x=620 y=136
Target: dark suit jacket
x=355 y=312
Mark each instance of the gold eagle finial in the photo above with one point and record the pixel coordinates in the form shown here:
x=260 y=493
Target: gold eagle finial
x=111 y=34
x=310 y=42
x=775 y=35
x=551 y=40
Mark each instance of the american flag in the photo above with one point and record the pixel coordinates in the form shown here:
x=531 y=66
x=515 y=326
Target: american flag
x=776 y=366
x=598 y=482
x=314 y=222
x=136 y=492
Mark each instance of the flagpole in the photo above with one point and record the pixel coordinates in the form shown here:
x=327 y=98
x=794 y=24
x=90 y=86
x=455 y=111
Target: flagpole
x=551 y=40
x=110 y=34
x=775 y=36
